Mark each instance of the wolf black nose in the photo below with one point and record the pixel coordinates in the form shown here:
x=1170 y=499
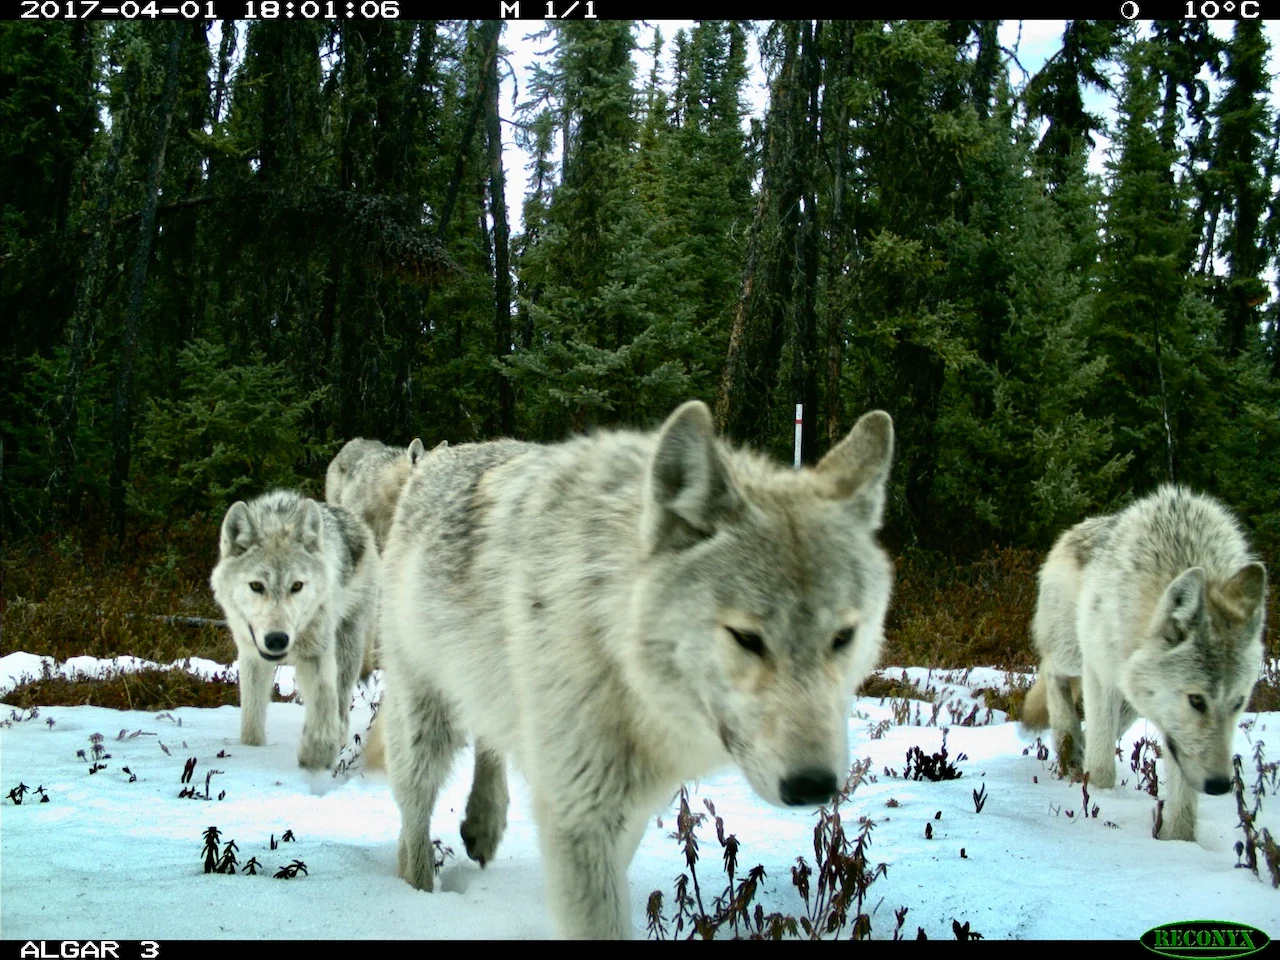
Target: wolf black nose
x=1216 y=786
x=275 y=642
x=814 y=785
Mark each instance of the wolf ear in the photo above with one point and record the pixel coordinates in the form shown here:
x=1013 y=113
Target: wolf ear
x=689 y=489
x=1181 y=606
x=416 y=452
x=237 y=530
x=858 y=466
x=440 y=446
x=311 y=526
x=1243 y=594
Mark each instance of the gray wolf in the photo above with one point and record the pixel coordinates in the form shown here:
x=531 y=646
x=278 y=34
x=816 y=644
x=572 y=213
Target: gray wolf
x=1158 y=609
x=620 y=613
x=298 y=583
x=366 y=477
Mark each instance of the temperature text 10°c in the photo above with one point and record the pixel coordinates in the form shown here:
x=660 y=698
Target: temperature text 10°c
x=1212 y=9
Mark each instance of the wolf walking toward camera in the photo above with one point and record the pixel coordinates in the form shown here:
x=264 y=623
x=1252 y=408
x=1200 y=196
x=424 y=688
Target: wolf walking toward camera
x=1159 y=609
x=297 y=581
x=623 y=612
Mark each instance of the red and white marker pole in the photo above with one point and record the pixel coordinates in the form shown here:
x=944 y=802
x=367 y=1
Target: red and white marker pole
x=799 y=427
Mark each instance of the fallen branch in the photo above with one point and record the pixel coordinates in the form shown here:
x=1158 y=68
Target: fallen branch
x=183 y=621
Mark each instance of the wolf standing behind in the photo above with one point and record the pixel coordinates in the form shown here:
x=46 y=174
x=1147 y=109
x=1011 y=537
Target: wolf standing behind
x=297 y=581
x=1159 y=609
x=366 y=477
x=621 y=613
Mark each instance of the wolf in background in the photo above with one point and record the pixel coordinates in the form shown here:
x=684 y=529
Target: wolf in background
x=298 y=583
x=1159 y=610
x=366 y=477
x=621 y=613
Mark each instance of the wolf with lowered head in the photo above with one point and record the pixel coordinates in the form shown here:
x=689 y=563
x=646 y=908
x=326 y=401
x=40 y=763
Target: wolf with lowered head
x=620 y=613
x=1158 y=609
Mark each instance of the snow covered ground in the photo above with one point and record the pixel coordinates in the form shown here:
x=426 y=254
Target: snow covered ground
x=116 y=854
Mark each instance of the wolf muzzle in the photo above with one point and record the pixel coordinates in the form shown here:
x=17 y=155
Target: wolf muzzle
x=807 y=787
x=276 y=643
x=1217 y=786
x=1214 y=786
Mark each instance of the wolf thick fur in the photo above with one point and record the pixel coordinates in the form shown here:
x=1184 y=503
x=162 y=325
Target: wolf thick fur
x=621 y=613
x=1159 y=610
x=298 y=583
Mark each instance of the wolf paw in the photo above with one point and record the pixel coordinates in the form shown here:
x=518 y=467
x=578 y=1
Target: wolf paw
x=482 y=834
x=1174 y=833
x=418 y=870
x=1176 y=823
x=317 y=755
x=1103 y=779
x=253 y=738
x=1069 y=766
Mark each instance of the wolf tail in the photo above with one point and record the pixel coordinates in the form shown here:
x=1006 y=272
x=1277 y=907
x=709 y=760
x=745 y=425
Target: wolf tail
x=1035 y=706
x=375 y=748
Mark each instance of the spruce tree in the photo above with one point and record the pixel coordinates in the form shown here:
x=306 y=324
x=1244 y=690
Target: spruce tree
x=607 y=342
x=1150 y=323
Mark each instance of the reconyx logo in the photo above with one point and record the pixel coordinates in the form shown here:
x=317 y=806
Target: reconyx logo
x=1194 y=939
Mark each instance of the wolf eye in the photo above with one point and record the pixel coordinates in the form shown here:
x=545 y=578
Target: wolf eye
x=256 y=586
x=297 y=585
x=843 y=639
x=1197 y=702
x=1239 y=704
x=752 y=642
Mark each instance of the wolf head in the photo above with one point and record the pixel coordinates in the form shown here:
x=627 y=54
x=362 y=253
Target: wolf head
x=270 y=577
x=1196 y=666
x=763 y=596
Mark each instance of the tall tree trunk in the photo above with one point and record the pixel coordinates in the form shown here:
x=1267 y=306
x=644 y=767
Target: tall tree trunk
x=63 y=495
x=804 y=278
x=1240 y=132
x=122 y=415
x=1275 y=344
x=226 y=47
x=837 y=243
x=746 y=364
x=734 y=363
x=488 y=35
x=418 y=116
x=347 y=290
x=784 y=276
x=501 y=249
x=346 y=286
x=1164 y=408
x=82 y=43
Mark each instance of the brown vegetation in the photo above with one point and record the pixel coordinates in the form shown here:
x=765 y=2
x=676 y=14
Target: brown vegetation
x=63 y=598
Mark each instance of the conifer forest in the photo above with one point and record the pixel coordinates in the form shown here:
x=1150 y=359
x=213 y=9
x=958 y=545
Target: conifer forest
x=227 y=248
